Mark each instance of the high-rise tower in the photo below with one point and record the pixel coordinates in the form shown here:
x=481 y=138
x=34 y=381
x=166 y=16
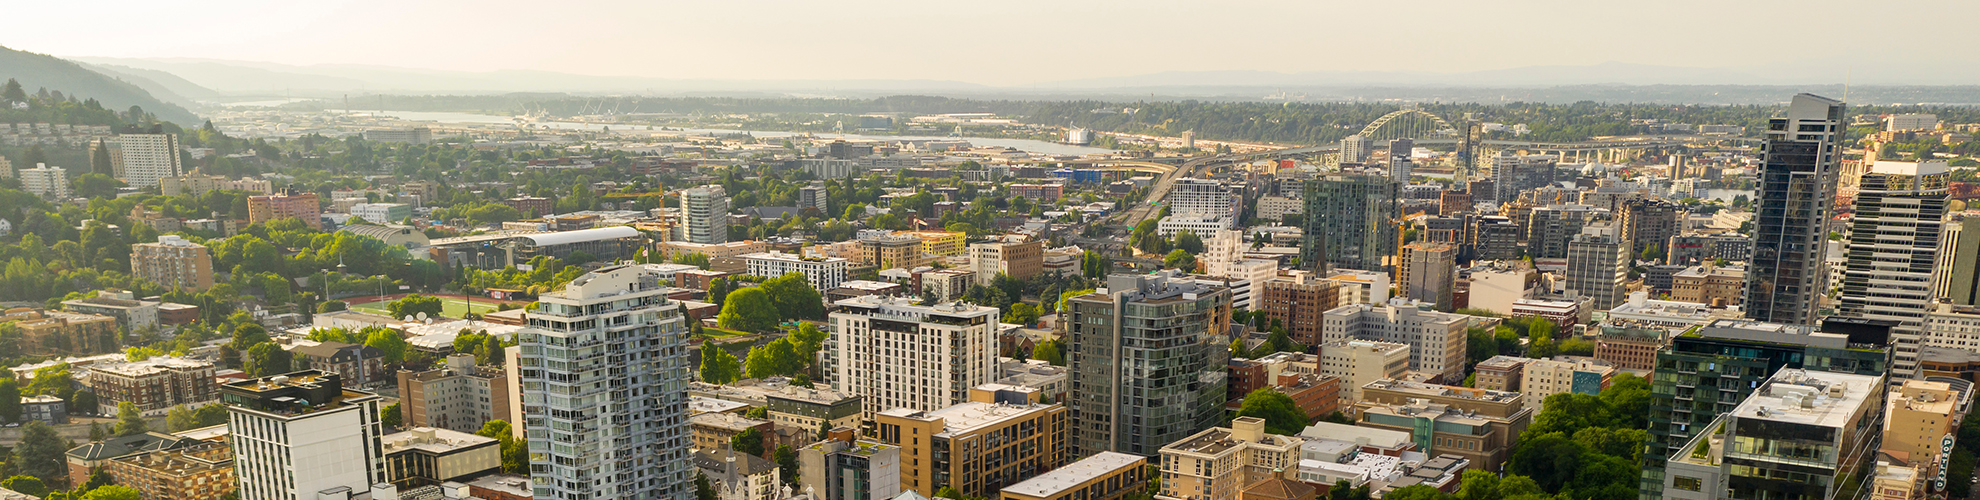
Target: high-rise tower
x=604 y=378
x=1893 y=241
x=1797 y=177
x=1147 y=363
x=705 y=214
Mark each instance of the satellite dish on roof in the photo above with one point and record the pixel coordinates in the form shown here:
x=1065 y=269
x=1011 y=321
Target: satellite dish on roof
x=422 y=315
x=407 y=318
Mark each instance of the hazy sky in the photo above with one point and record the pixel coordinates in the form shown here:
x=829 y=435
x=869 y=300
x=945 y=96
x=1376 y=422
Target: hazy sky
x=998 y=42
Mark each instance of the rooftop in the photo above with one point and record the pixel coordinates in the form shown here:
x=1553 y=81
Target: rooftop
x=432 y=440
x=963 y=418
x=1061 y=479
x=725 y=421
x=156 y=364
x=1810 y=397
x=506 y=483
x=1420 y=388
x=581 y=236
x=1368 y=436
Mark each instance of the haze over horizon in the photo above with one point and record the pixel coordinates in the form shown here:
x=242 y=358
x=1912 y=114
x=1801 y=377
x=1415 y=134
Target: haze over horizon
x=1025 y=43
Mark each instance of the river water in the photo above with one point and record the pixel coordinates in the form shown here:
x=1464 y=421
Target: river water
x=1052 y=148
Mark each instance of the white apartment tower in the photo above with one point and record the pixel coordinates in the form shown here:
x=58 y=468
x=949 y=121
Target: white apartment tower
x=604 y=381
x=1206 y=197
x=893 y=353
x=1892 y=244
x=50 y=183
x=1436 y=340
x=1354 y=148
x=140 y=160
x=299 y=434
x=705 y=215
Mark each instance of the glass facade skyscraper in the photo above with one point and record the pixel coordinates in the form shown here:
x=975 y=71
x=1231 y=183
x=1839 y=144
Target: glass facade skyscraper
x=1147 y=361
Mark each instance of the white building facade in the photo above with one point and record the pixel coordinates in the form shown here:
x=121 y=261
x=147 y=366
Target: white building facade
x=604 y=382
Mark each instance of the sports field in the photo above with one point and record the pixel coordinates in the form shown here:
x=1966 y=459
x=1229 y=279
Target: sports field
x=452 y=307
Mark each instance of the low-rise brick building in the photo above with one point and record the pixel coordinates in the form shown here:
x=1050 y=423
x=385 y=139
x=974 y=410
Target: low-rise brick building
x=153 y=385
x=201 y=471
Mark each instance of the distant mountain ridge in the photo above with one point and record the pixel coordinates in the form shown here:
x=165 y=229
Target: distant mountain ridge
x=38 y=71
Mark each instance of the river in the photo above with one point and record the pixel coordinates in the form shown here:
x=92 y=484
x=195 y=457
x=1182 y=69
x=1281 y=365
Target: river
x=1051 y=148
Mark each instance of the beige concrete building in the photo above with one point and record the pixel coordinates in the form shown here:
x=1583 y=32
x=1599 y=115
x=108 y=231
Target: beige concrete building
x=977 y=448
x=459 y=396
x=1018 y=259
x=173 y=262
x=1358 y=362
x=1920 y=414
x=1563 y=374
x=1104 y=476
x=1436 y=340
x=1707 y=285
x=1476 y=424
x=1219 y=462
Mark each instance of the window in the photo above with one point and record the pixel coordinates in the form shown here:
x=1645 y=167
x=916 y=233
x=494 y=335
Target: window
x=1687 y=483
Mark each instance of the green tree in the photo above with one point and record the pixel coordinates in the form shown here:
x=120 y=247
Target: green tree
x=391 y=415
x=1180 y=259
x=389 y=342
x=787 y=460
x=97 y=432
x=179 y=418
x=1282 y=415
x=1188 y=241
x=718 y=290
x=717 y=365
x=99 y=163
x=809 y=339
x=40 y=454
x=1049 y=352
x=13 y=92
x=1542 y=347
x=26 y=484
x=702 y=489
x=10 y=399
x=113 y=492
x=749 y=441
x=412 y=305
x=129 y=420
x=794 y=297
x=331 y=306
x=778 y=357
x=749 y=310
x=1022 y=314
x=267 y=359
x=95 y=185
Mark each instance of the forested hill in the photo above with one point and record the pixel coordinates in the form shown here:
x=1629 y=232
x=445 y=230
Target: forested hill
x=41 y=71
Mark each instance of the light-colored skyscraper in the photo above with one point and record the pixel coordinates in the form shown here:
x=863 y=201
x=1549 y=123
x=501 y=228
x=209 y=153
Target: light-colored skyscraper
x=604 y=382
x=1892 y=244
x=50 y=183
x=1206 y=197
x=894 y=353
x=1147 y=362
x=140 y=160
x=1399 y=165
x=302 y=433
x=1598 y=266
x=1354 y=148
x=1797 y=179
x=1429 y=273
x=705 y=215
